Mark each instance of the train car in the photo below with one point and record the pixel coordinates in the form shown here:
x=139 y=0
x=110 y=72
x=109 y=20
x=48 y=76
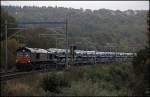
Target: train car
x=78 y=57
x=60 y=56
x=91 y=57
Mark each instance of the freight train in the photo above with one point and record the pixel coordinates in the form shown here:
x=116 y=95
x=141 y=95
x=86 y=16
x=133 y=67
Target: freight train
x=37 y=58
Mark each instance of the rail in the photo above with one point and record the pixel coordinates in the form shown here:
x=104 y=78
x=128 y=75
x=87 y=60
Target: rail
x=12 y=75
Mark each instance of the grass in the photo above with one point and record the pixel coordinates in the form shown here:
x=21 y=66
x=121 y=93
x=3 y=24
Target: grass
x=92 y=80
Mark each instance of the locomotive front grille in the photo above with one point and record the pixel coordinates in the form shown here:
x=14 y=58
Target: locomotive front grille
x=23 y=59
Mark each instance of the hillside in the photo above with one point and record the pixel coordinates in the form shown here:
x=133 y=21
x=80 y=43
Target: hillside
x=93 y=29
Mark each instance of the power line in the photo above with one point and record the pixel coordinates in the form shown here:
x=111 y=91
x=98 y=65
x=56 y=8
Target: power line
x=24 y=23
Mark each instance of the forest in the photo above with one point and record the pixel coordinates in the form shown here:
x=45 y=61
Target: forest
x=86 y=28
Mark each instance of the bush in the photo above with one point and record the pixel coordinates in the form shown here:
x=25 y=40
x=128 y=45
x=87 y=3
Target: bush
x=27 y=86
x=17 y=90
x=54 y=82
x=140 y=81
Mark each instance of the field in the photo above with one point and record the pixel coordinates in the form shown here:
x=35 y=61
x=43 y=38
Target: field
x=92 y=80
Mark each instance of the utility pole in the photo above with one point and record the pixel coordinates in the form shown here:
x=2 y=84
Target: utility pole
x=6 y=58
x=67 y=41
x=67 y=65
x=95 y=57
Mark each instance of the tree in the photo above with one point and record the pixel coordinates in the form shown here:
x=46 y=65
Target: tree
x=5 y=16
x=107 y=25
x=141 y=65
x=12 y=43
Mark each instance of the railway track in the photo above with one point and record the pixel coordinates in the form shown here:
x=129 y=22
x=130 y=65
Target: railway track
x=12 y=75
x=9 y=72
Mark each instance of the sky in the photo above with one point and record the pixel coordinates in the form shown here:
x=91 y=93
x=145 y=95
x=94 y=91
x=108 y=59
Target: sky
x=93 y=5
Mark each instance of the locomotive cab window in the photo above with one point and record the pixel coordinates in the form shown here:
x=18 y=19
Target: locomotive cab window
x=19 y=53
x=23 y=53
x=38 y=56
x=50 y=56
x=27 y=53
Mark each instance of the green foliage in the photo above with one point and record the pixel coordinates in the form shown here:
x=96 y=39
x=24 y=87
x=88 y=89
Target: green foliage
x=106 y=80
x=88 y=88
x=54 y=82
x=141 y=65
x=95 y=28
x=142 y=56
x=17 y=90
x=10 y=19
x=26 y=86
x=31 y=37
x=12 y=45
x=94 y=80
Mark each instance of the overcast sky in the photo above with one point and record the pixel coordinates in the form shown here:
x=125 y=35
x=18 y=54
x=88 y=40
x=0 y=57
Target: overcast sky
x=94 y=5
